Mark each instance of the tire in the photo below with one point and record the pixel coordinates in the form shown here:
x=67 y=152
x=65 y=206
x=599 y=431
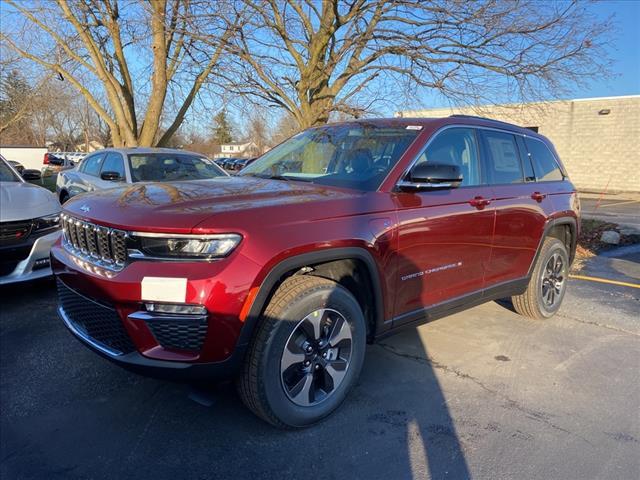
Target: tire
x=262 y=383
x=534 y=302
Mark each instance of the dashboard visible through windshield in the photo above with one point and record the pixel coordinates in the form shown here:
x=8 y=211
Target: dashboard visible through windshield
x=351 y=156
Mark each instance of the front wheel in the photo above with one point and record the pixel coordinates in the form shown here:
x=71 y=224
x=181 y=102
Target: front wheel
x=548 y=282
x=306 y=354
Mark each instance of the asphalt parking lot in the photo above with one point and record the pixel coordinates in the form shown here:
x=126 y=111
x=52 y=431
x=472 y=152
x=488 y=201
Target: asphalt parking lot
x=483 y=394
x=622 y=209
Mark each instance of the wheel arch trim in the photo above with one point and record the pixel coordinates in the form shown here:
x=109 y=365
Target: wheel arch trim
x=551 y=224
x=298 y=261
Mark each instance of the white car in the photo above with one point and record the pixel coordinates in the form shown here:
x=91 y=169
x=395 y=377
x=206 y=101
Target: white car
x=29 y=226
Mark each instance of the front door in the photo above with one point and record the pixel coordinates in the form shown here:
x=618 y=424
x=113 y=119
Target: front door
x=444 y=236
x=89 y=172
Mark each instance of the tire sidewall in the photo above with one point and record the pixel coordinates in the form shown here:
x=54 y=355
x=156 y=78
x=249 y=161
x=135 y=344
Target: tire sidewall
x=555 y=247
x=337 y=298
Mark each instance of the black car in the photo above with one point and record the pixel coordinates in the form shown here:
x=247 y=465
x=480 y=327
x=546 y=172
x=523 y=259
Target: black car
x=220 y=161
x=243 y=162
x=17 y=165
x=229 y=163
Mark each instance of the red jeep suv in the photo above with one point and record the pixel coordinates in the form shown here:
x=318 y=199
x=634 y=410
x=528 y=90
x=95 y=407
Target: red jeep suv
x=279 y=276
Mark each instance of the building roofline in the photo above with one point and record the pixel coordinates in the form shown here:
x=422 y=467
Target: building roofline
x=613 y=97
x=493 y=105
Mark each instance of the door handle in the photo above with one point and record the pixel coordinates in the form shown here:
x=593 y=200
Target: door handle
x=479 y=202
x=538 y=197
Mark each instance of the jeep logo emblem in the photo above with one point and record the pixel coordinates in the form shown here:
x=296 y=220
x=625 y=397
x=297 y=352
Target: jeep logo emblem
x=85 y=208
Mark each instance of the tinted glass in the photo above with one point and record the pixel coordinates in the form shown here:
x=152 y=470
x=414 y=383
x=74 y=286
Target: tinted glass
x=113 y=163
x=455 y=146
x=503 y=162
x=6 y=174
x=355 y=156
x=160 y=167
x=544 y=162
x=91 y=166
x=529 y=174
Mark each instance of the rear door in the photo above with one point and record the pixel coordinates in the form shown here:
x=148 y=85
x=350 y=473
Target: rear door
x=444 y=236
x=521 y=210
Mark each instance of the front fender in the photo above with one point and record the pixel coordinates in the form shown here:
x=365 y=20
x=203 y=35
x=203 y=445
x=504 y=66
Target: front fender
x=260 y=295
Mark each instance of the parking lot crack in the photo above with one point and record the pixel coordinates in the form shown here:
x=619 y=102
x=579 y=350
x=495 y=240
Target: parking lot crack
x=508 y=402
x=598 y=324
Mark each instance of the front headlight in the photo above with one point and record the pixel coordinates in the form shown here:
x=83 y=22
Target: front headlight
x=187 y=246
x=48 y=222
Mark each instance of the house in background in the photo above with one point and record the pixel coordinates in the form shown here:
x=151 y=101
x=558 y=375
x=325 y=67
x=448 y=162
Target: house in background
x=247 y=149
x=92 y=147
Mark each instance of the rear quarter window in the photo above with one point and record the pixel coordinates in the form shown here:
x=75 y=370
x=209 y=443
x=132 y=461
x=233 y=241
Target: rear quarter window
x=544 y=163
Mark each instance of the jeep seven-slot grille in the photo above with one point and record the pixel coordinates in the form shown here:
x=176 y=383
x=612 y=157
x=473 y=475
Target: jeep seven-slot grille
x=102 y=245
x=99 y=323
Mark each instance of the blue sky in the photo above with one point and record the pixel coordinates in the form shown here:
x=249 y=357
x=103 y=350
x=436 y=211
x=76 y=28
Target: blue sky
x=624 y=51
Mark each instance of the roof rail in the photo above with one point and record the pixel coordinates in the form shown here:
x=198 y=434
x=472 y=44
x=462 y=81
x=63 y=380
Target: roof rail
x=460 y=115
x=464 y=115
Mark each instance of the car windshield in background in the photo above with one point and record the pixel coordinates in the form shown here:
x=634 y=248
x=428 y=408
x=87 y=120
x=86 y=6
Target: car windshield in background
x=6 y=174
x=163 y=167
x=351 y=156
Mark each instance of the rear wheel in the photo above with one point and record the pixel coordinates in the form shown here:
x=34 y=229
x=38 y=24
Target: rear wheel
x=306 y=355
x=548 y=282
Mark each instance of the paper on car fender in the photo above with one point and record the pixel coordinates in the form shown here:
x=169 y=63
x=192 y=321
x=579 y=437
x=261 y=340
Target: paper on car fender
x=164 y=289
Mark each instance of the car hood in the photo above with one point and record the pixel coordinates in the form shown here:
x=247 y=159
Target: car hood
x=180 y=206
x=21 y=201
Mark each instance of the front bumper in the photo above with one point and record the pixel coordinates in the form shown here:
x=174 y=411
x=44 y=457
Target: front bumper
x=36 y=265
x=161 y=369
x=141 y=344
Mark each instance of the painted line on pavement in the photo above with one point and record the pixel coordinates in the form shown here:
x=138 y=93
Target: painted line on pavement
x=604 y=280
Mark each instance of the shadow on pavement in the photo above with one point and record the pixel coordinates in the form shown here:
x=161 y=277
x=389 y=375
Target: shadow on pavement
x=67 y=413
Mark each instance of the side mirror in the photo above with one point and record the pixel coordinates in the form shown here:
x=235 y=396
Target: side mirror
x=31 y=174
x=111 y=176
x=432 y=175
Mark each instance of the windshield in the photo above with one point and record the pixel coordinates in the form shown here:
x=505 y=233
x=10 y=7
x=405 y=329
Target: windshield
x=352 y=156
x=160 y=167
x=6 y=174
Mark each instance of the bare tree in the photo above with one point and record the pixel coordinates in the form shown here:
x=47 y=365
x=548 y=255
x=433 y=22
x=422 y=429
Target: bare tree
x=18 y=100
x=258 y=132
x=128 y=59
x=313 y=58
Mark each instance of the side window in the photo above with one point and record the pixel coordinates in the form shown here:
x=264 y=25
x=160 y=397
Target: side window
x=113 y=163
x=503 y=162
x=83 y=164
x=91 y=165
x=455 y=146
x=529 y=174
x=544 y=163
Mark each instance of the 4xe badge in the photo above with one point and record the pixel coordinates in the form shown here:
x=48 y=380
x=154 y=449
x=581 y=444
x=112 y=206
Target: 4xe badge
x=85 y=208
